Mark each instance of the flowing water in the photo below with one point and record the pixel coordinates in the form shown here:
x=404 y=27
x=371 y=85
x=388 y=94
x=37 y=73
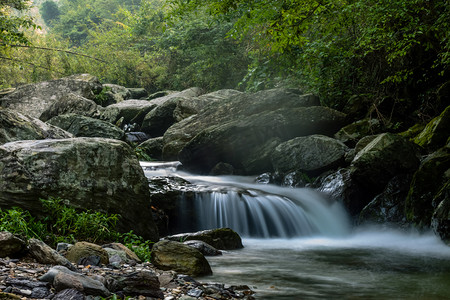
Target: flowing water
x=299 y=245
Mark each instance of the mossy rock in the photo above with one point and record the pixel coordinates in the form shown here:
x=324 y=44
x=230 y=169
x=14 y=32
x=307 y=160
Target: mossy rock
x=426 y=184
x=171 y=255
x=84 y=249
x=436 y=133
x=352 y=133
x=413 y=131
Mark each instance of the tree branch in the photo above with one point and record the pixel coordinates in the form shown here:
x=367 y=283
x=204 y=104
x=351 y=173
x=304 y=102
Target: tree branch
x=34 y=65
x=58 y=50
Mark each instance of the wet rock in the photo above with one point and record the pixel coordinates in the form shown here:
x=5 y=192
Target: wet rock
x=426 y=184
x=171 y=255
x=388 y=208
x=91 y=173
x=82 y=126
x=15 y=126
x=311 y=155
x=222 y=169
x=135 y=138
x=440 y=221
x=34 y=99
x=204 y=248
x=84 y=250
x=221 y=238
x=72 y=103
x=10 y=244
x=46 y=255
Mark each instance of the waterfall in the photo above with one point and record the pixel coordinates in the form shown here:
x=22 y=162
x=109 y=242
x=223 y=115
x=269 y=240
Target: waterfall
x=255 y=210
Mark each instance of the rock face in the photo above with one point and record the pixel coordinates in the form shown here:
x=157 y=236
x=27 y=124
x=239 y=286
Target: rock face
x=34 y=99
x=82 y=126
x=311 y=154
x=440 y=221
x=153 y=148
x=427 y=184
x=352 y=133
x=234 y=113
x=221 y=238
x=384 y=157
x=237 y=142
x=170 y=255
x=92 y=173
x=72 y=103
x=15 y=126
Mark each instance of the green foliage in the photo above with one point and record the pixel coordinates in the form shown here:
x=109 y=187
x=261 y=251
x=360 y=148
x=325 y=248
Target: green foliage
x=20 y=222
x=50 y=12
x=68 y=224
x=138 y=245
x=11 y=25
x=141 y=155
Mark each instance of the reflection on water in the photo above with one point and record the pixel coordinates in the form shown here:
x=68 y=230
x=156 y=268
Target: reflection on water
x=367 y=265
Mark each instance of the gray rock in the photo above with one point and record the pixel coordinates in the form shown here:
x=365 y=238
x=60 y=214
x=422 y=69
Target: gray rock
x=82 y=126
x=436 y=133
x=152 y=147
x=116 y=93
x=138 y=93
x=352 y=133
x=15 y=126
x=72 y=103
x=34 y=99
x=203 y=247
x=132 y=111
x=62 y=278
x=69 y=294
x=44 y=254
x=91 y=173
x=237 y=107
x=160 y=118
x=235 y=142
x=143 y=283
x=311 y=154
x=129 y=255
x=10 y=244
x=171 y=255
x=221 y=238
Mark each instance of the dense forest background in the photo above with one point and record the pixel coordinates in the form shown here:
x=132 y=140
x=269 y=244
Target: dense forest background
x=391 y=56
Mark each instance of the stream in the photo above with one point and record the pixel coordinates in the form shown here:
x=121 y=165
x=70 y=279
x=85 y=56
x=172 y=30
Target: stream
x=300 y=245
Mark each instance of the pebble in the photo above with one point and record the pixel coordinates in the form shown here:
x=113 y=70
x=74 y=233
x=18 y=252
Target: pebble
x=21 y=278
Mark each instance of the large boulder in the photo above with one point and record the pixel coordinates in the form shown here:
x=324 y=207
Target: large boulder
x=426 y=184
x=152 y=148
x=352 y=133
x=384 y=157
x=189 y=106
x=72 y=103
x=114 y=93
x=310 y=154
x=160 y=118
x=15 y=126
x=235 y=142
x=171 y=255
x=436 y=133
x=82 y=126
x=91 y=173
x=231 y=108
x=130 y=111
x=34 y=99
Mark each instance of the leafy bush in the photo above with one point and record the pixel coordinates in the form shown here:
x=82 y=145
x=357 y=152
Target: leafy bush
x=65 y=224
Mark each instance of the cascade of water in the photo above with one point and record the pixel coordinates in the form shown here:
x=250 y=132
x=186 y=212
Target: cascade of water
x=256 y=210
